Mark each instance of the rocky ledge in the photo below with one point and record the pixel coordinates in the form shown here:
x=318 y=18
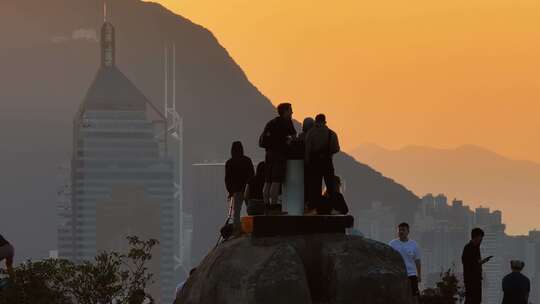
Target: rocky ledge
x=307 y=269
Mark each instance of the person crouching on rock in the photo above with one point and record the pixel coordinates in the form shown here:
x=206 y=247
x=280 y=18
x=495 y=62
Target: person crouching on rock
x=333 y=204
x=254 y=192
x=7 y=252
x=238 y=170
x=307 y=125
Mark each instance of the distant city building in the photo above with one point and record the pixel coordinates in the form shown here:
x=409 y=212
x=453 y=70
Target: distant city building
x=533 y=266
x=378 y=222
x=210 y=208
x=492 y=245
x=123 y=180
x=53 y=254
x=441 y=230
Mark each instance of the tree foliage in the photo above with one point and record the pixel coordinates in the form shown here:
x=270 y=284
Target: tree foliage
x=447 y=290
x=119 y=278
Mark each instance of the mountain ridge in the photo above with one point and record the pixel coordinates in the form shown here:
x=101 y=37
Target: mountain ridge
x=469 y=172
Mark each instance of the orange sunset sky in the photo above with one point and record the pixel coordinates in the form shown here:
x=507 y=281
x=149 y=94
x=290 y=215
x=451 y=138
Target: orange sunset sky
x=393 y=72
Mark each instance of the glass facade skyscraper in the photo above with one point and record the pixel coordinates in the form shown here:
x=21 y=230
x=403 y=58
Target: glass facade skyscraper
x=122 y=178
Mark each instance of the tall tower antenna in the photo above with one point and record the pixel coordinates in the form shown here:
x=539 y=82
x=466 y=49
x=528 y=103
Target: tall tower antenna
x=174 y=78
x=108 y=41
x=166 y=66
x=105 y=11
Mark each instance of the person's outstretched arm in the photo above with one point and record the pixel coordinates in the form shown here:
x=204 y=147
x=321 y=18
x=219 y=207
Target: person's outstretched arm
x=483 y=261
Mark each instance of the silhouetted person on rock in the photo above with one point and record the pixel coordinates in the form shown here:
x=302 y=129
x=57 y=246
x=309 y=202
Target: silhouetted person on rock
x=238 y=170
x=7 y=252
x=254 y=191
x=307 y=125
x=472 y=267
x=334 y=204
x=321 y=144
x=276 y=138
x=255 y=185
x=410 y=252
x=300 y=147
x=516 y=286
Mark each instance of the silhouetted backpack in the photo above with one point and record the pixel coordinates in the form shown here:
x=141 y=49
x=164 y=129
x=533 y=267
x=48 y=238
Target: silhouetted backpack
x=266 y=139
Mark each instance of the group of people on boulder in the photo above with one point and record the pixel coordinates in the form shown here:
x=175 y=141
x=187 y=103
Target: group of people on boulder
x=316 y=144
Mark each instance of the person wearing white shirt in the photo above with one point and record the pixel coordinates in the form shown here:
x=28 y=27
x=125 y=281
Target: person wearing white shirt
x=411 y=256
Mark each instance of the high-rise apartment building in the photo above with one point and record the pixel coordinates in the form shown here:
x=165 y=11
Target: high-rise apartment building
x=492 y=245
x=210 y=208
x=534 y=267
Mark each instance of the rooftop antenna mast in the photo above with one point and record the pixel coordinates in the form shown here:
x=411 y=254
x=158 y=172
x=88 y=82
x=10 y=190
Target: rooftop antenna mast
x=174 y=132
x=174 y=79
x=105 y=11
x=166 y=71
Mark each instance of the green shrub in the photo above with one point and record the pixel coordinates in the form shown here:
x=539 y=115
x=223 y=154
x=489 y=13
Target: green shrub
x=447 y=291
x=111 y=278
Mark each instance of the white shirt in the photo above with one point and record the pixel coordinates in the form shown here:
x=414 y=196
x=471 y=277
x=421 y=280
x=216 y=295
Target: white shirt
x=409 y=252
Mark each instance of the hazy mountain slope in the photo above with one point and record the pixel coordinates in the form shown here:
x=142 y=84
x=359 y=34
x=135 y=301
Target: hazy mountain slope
x=474 y=174
x=42 y=83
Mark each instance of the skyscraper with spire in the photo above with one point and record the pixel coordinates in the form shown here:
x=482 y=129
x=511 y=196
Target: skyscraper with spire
x=122 y=179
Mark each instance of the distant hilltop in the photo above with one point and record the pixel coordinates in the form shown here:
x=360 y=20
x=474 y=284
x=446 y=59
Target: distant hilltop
x=474 y=174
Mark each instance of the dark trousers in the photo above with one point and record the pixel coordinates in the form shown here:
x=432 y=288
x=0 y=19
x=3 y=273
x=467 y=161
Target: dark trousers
x=319 y=169
x=414 y=286
x=473 y=292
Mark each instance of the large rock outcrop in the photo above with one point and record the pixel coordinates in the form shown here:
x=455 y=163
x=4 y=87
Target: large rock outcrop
x=312 y=269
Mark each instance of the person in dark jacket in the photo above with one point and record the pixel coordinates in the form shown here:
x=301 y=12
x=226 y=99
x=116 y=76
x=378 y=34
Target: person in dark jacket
x=472 y=267
x=307 y=125
x=238 y=170
x=321 y=145
x=7 y=252
x=516 y=286
x=280 y=132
